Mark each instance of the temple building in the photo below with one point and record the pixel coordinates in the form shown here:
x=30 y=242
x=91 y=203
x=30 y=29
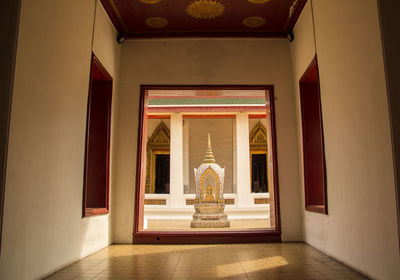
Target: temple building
x=106 y=170
x=238 y=121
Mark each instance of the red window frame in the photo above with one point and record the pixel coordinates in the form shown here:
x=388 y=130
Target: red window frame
x=313 y=141
x=141 y=236
x=97 y=153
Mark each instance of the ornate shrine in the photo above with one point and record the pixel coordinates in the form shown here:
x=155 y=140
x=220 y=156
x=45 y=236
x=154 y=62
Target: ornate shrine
x=209 y=202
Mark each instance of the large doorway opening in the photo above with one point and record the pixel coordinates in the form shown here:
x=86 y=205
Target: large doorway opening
x=207 y=168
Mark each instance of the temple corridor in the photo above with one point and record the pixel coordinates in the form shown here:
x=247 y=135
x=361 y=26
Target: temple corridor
x=232 y=261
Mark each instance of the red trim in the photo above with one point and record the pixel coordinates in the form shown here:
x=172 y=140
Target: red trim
x=100 y=66
x=260 y=116
x=208 y=109
x=158 y=116
x=141 y=153
x=181 y=237
x=209 y=116
x=211 y=237
x=310 y=70
x=271 y=95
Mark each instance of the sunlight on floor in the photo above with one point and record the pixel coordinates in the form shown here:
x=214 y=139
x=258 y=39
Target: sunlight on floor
x=228 y=270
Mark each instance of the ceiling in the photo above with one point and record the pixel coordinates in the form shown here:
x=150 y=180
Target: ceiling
x=203 y=18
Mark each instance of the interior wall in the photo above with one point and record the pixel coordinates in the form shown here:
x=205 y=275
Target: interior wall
x=207 y=62
x=361 y=227
x=44 y=186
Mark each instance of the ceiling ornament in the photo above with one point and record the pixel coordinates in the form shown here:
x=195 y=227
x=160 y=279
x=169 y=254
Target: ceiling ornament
x=156 y=22
x=253 y=22
x=258 y=1
x=150 y=1
x=205 y=9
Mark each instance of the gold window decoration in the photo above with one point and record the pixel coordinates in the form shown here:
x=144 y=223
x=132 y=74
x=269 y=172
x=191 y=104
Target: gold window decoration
x=158 y=143
x=258 y=145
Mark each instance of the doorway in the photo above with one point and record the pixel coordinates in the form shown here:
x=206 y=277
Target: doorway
x=240 y=124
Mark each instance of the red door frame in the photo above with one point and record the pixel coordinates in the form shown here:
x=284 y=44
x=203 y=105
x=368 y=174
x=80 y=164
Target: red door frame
x=186 y=237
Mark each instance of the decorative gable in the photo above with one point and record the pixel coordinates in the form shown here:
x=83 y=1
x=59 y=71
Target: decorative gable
x=258 y=137
x=160 y=137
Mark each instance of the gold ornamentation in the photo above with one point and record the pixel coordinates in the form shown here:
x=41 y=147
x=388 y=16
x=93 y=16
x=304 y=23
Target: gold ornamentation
x=254 y=22
x=156 y=22
x=158 y=143
x=190 y=201
x=150 y=1
x=258 y=137
x=205 y=9
x=209 y=193
x=155 y=202
x=261 y=200
x=209 y=157
x=258 y=1
x=230 y=201
x=160 y=137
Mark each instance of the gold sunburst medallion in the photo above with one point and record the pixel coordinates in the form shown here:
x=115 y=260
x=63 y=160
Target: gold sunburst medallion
x=150 y=1
x=258 y=1
x=253 y=22
x=205 y=9
x=156 y=22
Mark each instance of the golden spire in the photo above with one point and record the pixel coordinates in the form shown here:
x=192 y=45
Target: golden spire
x=209 y=157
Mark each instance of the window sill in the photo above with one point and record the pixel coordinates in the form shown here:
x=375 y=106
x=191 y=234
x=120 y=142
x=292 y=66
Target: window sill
x=96 y=211
x=317 y=209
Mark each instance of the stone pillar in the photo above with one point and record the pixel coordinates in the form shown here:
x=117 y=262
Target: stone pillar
x=243 y=160
x=176 y=161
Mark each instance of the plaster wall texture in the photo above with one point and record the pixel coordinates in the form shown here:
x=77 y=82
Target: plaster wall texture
x=360 y=228
x=205 y=61
x=43 y=225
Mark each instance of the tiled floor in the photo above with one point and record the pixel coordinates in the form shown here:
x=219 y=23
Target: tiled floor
x=292 y=261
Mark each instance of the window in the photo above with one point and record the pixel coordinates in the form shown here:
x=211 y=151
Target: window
x=313 y=141
x=258 y=153
x=206 y=165
x=96 y=176
x=158 y=151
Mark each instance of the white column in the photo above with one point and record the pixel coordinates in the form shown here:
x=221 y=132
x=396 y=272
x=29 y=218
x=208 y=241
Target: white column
x=234 y=179
x=176 y=161
x=243 y=160
x=186 y=124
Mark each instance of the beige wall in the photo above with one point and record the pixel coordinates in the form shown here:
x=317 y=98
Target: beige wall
x=361 y=227
x=43 y=228
x=205 y=61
